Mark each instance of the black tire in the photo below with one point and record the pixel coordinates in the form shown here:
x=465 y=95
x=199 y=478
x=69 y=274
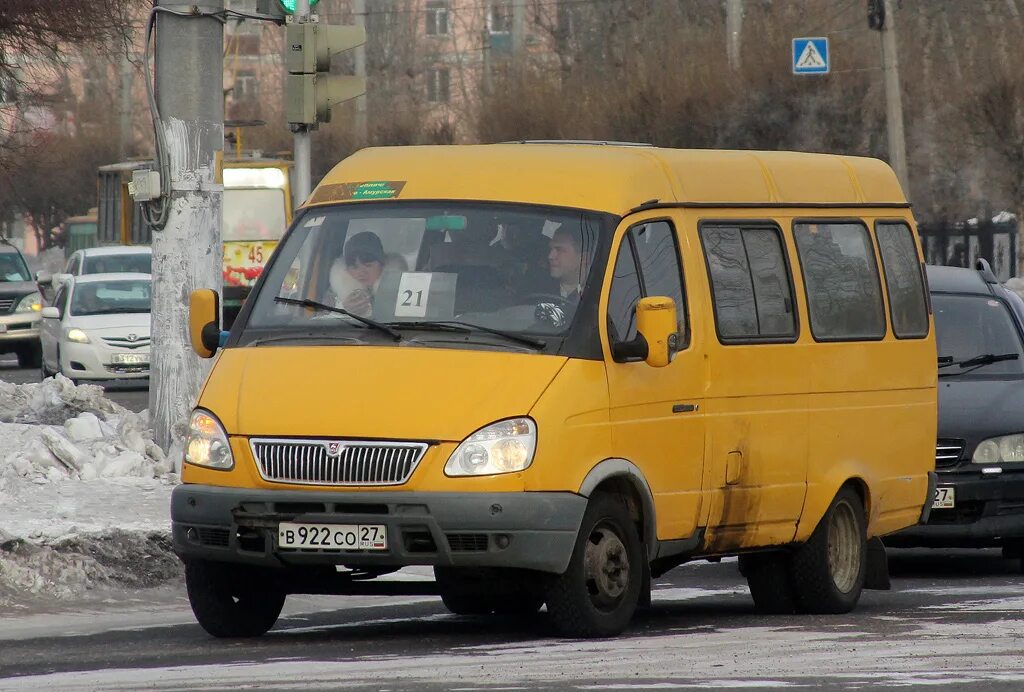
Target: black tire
x=483 y=591
x=599 y=592
x=771 y=586
x=29 y=356
x=230 y=603
x=828 y=570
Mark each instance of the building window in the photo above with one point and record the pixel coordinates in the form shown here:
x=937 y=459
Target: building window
x=247 y=86
x=437 y=17
x=438 y=82
x=8 y=89
x=499 y=17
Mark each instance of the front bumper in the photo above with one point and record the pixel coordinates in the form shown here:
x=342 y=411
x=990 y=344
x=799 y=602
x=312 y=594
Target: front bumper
x=92 y=361
x=528 y=530
x=989 y=512
x=19 y=328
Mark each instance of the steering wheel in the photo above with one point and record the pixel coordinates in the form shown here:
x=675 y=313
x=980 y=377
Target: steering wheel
x=546 y=298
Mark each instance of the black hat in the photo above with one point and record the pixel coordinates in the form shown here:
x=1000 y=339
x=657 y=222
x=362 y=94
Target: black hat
x=366 y=246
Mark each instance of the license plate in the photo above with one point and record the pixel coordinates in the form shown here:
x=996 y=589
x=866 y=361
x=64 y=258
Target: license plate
x=129 y=359
x=332 y=536
x=945 y=498
x=3 y=328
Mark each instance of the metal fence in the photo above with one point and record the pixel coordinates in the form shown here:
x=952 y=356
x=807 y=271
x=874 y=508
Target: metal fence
x=960 y=243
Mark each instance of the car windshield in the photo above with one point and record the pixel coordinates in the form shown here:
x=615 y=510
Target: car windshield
x=253 y=214
x=134 y=263
x=970 y=326
x=111 y=297
x=12 y=268
x=514 y=268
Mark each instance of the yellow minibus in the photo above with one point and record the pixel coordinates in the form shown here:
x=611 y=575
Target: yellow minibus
x=553 y=371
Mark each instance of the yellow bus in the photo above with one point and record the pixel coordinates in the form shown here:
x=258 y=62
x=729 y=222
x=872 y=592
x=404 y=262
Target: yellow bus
x=257 y=209
x=555 y=370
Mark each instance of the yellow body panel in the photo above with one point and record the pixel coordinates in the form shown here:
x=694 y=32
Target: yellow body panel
x=749 y=442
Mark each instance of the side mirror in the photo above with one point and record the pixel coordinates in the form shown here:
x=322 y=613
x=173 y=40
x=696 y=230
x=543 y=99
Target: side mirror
x=204 y=322
x=44 y=277
x=57 y=279
x=50 y=313
x=657 y=323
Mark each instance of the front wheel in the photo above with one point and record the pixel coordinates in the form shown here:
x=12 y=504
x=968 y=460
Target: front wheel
x=28 y=356
x=828 y=570
x=228 y=603
x=599 y=592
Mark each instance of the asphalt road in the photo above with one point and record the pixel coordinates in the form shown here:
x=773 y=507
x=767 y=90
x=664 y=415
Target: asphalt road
x=131 y=395
x=952 y=621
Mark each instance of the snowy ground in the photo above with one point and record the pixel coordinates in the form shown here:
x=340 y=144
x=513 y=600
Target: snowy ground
x=84 y=495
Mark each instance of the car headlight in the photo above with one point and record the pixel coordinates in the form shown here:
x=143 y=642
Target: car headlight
x=998 y=450
x=207 y=444
x=503 y=447
x=33 y=302
x=77 y=335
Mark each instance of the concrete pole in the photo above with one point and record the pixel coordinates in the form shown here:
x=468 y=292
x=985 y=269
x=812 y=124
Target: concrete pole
x=302 y=149
x=894 y=98
x=359 y=54
x=187 y=253
x=733 y=31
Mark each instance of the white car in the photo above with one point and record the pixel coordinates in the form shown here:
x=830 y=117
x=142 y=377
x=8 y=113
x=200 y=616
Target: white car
x=102 y=260
x=98 y=328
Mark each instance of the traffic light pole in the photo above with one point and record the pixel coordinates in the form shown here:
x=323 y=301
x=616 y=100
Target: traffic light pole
x=302 y=148
x=894 y=98
x=187 y=252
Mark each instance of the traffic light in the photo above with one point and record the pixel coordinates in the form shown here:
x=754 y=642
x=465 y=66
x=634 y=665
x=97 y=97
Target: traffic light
x=279 y=10
x=311 y=90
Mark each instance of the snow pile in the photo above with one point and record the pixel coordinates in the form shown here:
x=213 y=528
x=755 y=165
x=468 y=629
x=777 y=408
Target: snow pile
x=81 y=480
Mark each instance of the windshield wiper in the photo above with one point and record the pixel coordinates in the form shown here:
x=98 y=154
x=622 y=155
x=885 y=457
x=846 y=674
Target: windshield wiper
x=975 y=362
x=307 y=303
x=466 y=327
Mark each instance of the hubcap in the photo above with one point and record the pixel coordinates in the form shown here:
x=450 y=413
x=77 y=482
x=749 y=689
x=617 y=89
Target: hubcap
x=606 y=567
x=844 y=546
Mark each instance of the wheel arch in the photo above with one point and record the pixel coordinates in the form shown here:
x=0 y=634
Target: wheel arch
x=818 y=502
x=623 y=477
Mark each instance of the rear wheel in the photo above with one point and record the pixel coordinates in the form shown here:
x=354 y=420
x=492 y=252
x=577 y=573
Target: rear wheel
x=484 y=591
x=828 y=570
x=771 y=586
x=599 y=592
x=230 y=603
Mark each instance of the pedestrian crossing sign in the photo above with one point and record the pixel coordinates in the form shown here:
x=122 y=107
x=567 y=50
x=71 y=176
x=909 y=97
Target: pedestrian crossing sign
x=810 y=56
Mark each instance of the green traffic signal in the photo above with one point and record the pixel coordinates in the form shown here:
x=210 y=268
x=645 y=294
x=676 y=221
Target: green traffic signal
x=289 y=5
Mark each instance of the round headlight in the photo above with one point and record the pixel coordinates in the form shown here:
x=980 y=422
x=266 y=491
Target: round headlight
x=986 y=453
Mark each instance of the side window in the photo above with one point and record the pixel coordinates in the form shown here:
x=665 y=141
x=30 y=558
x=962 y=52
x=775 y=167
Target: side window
x=647 y=265
x=60 y=301
x=658 y=258
x=902 y=267
x=623 y=295
x=750 y=283
x=844 y=296
x=70 y=269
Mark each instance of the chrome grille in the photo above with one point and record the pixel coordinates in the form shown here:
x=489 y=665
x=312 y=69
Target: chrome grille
x=6 y=305
x=124 y=342
x=336 y=462
x=948 y=453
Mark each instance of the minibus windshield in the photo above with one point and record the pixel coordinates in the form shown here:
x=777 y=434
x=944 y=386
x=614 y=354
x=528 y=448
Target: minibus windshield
x=968 y=327
x=496 y=269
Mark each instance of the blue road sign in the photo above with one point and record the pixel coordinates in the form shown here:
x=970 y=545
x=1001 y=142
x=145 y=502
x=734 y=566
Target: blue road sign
x=810 y=56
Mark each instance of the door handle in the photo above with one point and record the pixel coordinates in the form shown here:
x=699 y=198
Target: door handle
x=685 y=408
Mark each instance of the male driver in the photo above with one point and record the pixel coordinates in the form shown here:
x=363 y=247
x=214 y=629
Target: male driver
x=566 y=264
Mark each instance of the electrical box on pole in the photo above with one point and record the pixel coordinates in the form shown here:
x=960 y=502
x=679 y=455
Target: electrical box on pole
x=311 y=90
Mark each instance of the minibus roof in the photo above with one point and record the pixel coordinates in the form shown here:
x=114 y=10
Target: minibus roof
x=613 y=178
